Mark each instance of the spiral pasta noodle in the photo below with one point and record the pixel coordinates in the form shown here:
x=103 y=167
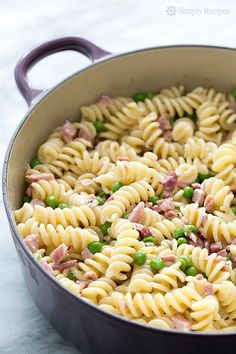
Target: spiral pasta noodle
x=133 y=207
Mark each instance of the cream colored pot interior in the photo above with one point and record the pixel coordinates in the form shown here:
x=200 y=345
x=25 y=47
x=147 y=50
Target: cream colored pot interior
x=125 y=75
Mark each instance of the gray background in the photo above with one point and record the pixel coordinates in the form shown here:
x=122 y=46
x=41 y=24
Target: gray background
x=115 y=25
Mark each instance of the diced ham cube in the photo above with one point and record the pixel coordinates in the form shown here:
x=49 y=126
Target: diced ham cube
x=68 y=131
x=181 y=323
x=164 y=121
x=47 y=267
x=169 y=259
x=64 y=265
x=81 y=133
x=198 y=196
x=39 y=176
x=216 y=247
x=35 y=202
x=207 y=245
x=86 y=254
x=33 y=242
x=59 y=253
x=167 y=207
x=167 y=135
x=143 y=230
x=222 y=253
x=169 y=182
x=170 y=214
x=137 y=213
x=29 y=191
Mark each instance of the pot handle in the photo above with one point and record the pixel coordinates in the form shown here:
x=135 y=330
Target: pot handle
x=78 y=44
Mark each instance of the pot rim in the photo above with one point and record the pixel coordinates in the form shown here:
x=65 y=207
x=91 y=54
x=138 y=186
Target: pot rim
x=102 y=313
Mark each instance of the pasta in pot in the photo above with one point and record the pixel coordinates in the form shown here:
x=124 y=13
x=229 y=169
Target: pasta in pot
x=133 y=208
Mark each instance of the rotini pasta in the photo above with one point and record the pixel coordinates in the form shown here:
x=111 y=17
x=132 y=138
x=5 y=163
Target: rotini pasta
x=133 y=208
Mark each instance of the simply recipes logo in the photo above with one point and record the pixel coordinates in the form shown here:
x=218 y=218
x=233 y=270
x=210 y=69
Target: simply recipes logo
x=196 y=11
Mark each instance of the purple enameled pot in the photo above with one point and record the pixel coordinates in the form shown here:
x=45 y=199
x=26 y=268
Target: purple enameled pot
x=90 y=329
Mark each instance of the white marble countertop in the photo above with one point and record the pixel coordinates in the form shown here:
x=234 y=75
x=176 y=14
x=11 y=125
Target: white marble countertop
x=115 y=25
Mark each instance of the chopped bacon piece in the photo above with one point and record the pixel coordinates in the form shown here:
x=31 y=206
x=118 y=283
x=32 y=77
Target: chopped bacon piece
x=64 y=265
x=208 y=289
x=137 y=213
x=181 y=323
x=81 y=133
x=222 y=253
x=105 y=100
x=196 y=185
x=170 y=258
x=216 y=247
x=85 y=182
x=199 y=277
x=164 y=121
x=122 y=158
x=193 y=237
x=39 y=176
x=47 y=267
x=32 y=241
x=170 y=214
x=198 y=196
x=169 y=182
x=143 y=230
x=167 y=207
x=37 y=202
x=68 y=131
x=92 y=201
x=90 y=276
x=29 y=191
x=86 y=254
x=167 y=135
x=209 y=204
x=59 y=253
x=207 y=245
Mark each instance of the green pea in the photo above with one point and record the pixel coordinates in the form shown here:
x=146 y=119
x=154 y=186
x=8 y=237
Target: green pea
x=103 y=195
x=140 y=97
x=188 y=192
x=201 y=177
x=100 y=200
x=63 y=205
x=34 y=163
x=104 y=227
x=150 y=239
x=190 y=228
x=125 y=216
x=38 y=256
x=95 y=246
x=140 y=258
x=27 y=199
x=181 y=241
x=233 y=93
x=177 y=233
x=153 y=199
x=157 y=264
x=99 y=126
x=234 y=209
x=191 y=271
x=185 y=261
x=116 y=186
x=150 y=95
x=70 y=275
x=52 y=201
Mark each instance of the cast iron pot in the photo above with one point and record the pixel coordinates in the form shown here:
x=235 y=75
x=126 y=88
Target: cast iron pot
x=83 y=324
